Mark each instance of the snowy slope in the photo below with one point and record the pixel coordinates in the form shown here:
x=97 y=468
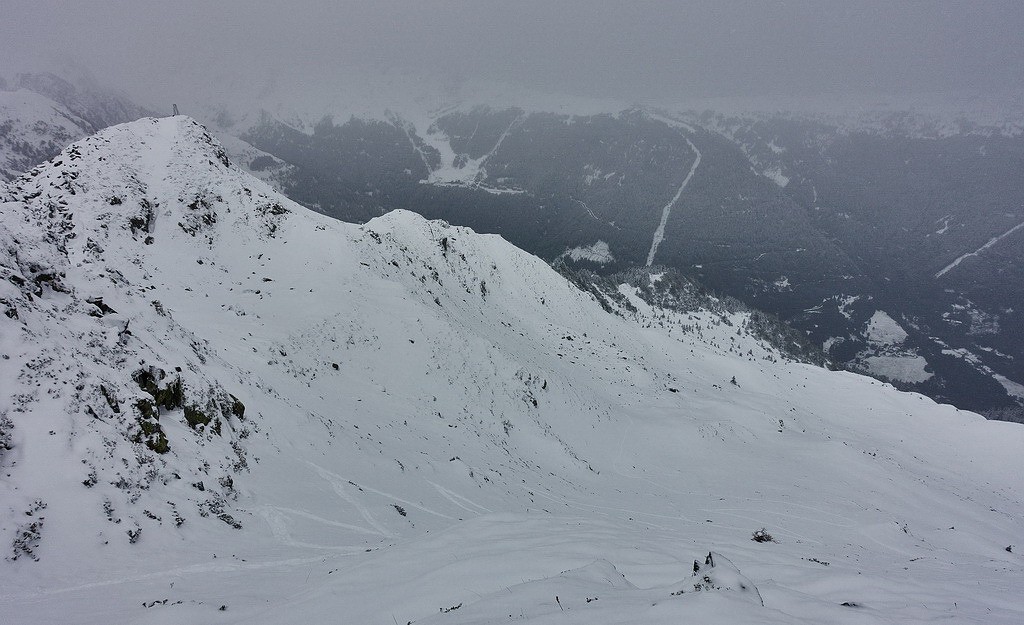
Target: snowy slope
x=217 y=406
x=45 y=114
x=32 y=129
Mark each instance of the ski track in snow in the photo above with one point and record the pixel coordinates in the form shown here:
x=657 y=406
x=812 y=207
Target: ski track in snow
x=339 y=484
x=187 y=571
x=455 y=498
x=607 y=511
x=275 y=519
x=978 y=251
x=411 y=504
x=659 y=234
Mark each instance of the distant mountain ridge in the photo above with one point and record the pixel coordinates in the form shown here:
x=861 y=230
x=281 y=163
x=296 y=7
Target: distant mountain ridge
x=42 y=113
x=821 y=220
x=749 y=222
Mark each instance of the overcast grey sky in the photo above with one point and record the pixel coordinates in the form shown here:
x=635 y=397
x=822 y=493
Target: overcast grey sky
x=630 y=50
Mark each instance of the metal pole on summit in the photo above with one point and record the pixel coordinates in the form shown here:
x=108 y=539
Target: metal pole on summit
x=175 y=107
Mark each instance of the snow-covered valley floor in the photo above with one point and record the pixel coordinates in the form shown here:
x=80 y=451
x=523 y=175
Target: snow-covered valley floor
x=437 y=428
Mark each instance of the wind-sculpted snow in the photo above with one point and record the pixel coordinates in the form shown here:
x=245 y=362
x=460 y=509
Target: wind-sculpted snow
x=217 y=406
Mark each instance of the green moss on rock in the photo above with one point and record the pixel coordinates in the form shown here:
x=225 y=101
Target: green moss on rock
x=170 y=396
x=147 y=409
x=158 y=443
x=150 y=432
x=196 y=417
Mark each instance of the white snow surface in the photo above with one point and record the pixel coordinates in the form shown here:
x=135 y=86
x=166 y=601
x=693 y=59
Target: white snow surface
x=775 y=175
x=884 y=330
x=32 y=125
x=438 y=428
x=886 y=354
x=598 y=252
x=903 y=366
x=1012 y=388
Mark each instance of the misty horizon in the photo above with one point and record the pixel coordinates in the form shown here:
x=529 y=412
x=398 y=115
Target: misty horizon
x=649 y=52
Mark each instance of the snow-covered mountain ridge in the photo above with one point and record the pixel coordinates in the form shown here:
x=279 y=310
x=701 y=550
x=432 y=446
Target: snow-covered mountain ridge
x=43 y=113
x=579 y=185
x=210 y=396
x=33 y=128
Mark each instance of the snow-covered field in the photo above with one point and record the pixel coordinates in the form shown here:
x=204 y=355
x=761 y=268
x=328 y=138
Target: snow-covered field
x=599 y=253
x=883 y=330
x=437 y=428
x=903 y=366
